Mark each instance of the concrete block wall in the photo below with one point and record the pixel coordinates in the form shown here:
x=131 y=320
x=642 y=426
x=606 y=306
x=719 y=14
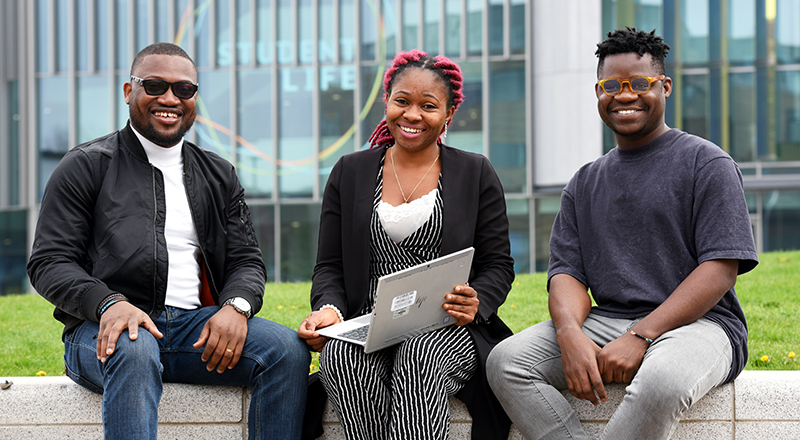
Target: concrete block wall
x=759 y=405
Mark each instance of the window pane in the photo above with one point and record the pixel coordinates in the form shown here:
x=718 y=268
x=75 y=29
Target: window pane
x=518 y=26
x=256 y=152
x=327 y=48
x=299 y=231
x=94 y=112
x=124 y=57
x=264 y=224
x=474 y=27
x=546 y=210
x=788 y=115
x=694 y=31
x=336 y=117
x=102 y=37
x=244 y=31
x=13 y=252
x=285 y=42
x=213 y=124
x=305 y=30
x=202 y=33
x=496 y=27
x=787 y=32
x=519 y=234
x=452 y=30
x=346 y=31
x=81 y=35
x=371 y=86
x=123 y=111
x=742 y=95
x=162 y=23
x=695 y=105
x=433 y=19
x=390 y=19
x=266 y=47
x=62 y=36
x=184 y=18
x=12 y=168
x=781 y=220
x=507 y=91
x=742 y=31
x=648 y=15
x=42 y=34
x=53 y=125
x=224 y=37
x=142 y=20
x=295 y=146
x=410 y=20
x=369 y=16
x=466 y=130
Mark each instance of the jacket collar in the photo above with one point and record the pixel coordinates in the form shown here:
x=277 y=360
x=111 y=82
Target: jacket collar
x=131 y=142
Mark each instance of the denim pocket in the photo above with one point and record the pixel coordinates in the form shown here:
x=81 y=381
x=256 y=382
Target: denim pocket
x=73 y=351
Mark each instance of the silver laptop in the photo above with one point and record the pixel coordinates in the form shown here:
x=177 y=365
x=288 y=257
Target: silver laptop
x=407 y=303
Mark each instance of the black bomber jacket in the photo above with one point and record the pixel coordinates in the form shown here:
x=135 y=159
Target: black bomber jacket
x=101 y=230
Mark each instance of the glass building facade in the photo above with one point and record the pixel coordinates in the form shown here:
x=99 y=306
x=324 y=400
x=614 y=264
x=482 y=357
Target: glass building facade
x=289 y=86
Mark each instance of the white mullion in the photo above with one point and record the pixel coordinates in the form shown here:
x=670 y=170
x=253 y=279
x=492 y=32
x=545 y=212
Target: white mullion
x=485 y=72
x=72 y=83
x=506 y=28
x=254 y=33
x=315 y=99
x=463 y=29
x=234 y=83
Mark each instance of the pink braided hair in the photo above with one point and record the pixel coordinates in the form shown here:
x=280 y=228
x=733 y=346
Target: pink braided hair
x=448 y=70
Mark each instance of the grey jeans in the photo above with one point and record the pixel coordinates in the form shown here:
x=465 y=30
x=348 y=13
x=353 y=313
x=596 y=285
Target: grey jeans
x=680 y=367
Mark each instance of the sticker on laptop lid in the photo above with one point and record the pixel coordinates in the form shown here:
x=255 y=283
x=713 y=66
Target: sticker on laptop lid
x=403 y=300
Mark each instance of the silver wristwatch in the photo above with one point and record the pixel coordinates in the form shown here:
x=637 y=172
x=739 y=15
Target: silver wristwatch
x=241 y=305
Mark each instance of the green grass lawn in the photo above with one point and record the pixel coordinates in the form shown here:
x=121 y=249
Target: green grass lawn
x=30 y=339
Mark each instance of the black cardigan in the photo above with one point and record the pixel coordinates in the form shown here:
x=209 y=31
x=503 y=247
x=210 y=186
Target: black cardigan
x=474 y=214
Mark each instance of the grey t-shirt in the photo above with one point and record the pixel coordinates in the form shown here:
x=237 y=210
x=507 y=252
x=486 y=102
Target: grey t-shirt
x=635 y=223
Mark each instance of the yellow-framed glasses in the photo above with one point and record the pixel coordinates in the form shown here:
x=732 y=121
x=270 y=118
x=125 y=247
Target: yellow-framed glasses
x=639 y=85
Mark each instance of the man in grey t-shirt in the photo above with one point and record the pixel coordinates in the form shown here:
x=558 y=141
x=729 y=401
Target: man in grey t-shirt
x=657 y=230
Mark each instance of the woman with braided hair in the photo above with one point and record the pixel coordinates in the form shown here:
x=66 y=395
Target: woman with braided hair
x=407 y=200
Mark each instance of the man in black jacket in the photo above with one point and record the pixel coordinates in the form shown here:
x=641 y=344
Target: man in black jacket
x=141 y=229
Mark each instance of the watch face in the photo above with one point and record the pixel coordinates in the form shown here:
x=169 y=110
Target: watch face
x=242 y=304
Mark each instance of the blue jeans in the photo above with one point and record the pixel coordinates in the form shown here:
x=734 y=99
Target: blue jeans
x=679 y=367
x=274 y=362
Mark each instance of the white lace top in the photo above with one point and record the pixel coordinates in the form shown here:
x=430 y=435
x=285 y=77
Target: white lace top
x=401 y=221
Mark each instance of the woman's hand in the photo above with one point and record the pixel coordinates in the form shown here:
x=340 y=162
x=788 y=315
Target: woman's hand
x=313 y=321
x=462 y=304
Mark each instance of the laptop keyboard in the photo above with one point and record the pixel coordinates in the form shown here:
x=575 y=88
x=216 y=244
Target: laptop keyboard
x=358 y=334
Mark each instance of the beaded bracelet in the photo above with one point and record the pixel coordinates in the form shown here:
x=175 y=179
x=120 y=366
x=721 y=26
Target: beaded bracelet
x=108 y=302
x=649 y=341
x=335 y=309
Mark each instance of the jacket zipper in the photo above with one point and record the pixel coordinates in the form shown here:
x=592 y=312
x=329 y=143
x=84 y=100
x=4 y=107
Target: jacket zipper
x=209 y=275
x=155 y=237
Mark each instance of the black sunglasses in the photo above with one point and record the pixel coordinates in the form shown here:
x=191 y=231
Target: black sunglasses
x=157 y=87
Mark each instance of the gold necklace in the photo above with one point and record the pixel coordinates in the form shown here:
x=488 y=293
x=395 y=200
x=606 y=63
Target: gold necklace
x=394 y=168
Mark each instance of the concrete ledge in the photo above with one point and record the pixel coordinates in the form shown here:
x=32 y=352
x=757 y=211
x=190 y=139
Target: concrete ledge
x=760 y=404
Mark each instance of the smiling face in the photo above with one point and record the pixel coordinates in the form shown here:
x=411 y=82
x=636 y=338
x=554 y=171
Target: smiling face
x=165 y=118
x=634 y=119
x=416 y=109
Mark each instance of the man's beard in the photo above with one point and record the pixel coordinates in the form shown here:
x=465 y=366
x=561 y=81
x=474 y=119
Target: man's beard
x=162 y=139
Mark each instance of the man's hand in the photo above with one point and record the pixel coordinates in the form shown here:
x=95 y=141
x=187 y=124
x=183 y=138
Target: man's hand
x=223 y=336
x=579 y=358
x=462 y=304
x=620 y=359
x=119 y=317
x=314 y=320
